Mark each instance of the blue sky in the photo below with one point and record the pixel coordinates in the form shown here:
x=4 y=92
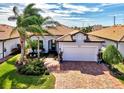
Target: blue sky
x=72 y=14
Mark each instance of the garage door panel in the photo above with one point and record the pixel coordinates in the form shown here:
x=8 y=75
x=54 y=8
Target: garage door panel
x=80 y=53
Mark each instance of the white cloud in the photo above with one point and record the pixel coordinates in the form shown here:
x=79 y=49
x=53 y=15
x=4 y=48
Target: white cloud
x=75 y=18
x=82 y=8
x=52 y=14
x=63 y=16
x=116 y=15
x=45 y=6
x=84 y=20
x=67 y=11
x=108 y=4
x=9 y=10
x=6 y=10
x=4 y=20
x=80 y=23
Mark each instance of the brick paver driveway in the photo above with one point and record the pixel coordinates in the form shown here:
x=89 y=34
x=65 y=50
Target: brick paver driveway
x=83 y=75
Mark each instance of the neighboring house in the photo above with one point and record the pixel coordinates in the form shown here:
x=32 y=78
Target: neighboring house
x=112 y=35
x=96 y=27
x=7 y=42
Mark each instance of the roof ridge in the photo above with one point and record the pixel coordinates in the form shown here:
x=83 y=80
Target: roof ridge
x=63 y=36
x=121 y=38
x=70 y=33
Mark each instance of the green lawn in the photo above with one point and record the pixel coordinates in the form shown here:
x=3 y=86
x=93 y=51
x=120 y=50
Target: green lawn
x=120 y=67
x=9 y=78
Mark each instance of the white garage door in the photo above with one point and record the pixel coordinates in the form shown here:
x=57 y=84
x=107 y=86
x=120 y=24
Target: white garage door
x=83 y=53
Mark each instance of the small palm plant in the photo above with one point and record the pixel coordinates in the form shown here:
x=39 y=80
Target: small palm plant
x=112 y=56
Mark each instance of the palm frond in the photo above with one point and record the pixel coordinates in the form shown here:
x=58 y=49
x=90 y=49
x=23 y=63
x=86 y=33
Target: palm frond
x=30 y=10
x=19 y=20
x=31 y=20
x=47 y=18
x=12 y=18
x=15 y=10
x=26 y=10
x=13 y=31
x=52 y=22
x=35 y=29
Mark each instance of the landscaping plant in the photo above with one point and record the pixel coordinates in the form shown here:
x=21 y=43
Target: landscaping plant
x=112 y=56
x=34 y=67
x=10 y=79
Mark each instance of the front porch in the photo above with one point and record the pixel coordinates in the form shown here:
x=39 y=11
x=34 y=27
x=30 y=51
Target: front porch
x=47 y=43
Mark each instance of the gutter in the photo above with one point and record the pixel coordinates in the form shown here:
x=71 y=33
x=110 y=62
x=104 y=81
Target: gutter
x=9 y=39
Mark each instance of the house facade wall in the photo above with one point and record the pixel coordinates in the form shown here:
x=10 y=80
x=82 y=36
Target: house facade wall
x=10 y=44
x=108 y=42
x=121 y=48
x=61 y=45
x=45 y=40
x=79 y=38
x=120 y=45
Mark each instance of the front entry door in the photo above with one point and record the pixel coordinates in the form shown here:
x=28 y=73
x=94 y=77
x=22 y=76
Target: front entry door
x=52 y=45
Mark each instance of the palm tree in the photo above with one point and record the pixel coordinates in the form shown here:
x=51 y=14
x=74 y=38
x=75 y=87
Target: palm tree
x=29 y=21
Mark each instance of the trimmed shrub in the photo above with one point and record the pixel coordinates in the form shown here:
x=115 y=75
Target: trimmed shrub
x=111 y=55
x=34 y=67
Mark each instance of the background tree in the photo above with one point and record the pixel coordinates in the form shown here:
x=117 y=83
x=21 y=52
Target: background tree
x=111 y=55
x=86 y=29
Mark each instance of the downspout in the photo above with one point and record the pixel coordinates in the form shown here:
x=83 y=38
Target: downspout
x=117 y=44
x=3 y=48
x=57 y=47
x=120 y=40
x=38 y=48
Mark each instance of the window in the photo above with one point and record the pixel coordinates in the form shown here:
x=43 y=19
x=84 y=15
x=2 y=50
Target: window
x=41 y=44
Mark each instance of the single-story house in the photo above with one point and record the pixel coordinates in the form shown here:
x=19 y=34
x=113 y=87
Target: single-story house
x=74 y=45
x=113 y=35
